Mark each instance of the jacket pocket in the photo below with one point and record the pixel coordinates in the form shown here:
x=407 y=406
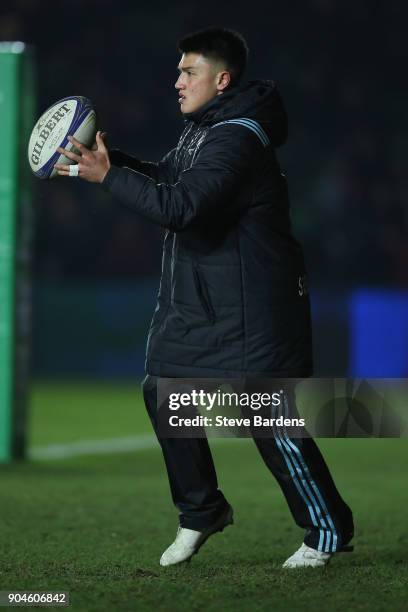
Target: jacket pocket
x=203 y=294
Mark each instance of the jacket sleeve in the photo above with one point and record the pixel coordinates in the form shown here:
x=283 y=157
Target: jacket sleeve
x=226 y=159
x=162 y=172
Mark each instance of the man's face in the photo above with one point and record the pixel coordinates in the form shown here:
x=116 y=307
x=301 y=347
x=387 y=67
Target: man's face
x=200 y=80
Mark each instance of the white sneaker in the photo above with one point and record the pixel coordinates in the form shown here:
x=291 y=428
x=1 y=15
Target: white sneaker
x=307 y=557
x=188 y=541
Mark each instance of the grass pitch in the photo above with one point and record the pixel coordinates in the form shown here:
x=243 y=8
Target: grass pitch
x=96 y=525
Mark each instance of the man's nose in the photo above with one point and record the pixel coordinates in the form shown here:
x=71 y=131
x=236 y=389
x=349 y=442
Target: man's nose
x=179 y=84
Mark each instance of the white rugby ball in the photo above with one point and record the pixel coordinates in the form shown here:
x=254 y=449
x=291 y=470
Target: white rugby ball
x=72 y=116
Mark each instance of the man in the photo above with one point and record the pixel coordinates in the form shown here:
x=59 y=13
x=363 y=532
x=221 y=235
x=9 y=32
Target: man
x=233 y=298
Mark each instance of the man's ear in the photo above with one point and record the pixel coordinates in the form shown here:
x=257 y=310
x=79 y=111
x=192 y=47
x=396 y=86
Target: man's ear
x=224 y=79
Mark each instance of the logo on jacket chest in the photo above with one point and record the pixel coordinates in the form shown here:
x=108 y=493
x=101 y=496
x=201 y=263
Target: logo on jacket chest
x=192 y=148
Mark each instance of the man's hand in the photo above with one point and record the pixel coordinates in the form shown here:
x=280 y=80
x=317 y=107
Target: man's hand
x=93 y=165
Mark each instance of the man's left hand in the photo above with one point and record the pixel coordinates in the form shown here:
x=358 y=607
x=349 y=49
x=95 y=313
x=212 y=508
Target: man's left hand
x=92 y=165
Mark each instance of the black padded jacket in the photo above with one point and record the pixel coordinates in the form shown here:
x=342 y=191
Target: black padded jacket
x=233 y=297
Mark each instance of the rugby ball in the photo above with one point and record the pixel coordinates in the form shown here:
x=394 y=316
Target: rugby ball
x=72 y=116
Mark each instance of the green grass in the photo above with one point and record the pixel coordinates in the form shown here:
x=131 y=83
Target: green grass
x=96 y=526
x=66 y=412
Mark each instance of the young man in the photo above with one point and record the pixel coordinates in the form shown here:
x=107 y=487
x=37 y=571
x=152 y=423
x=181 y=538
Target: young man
x=233 y=301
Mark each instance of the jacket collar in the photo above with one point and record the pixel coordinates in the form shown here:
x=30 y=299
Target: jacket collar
x=212 y=107
x=258 y=99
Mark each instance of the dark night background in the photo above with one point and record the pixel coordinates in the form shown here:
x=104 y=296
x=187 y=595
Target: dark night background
x=340 y=68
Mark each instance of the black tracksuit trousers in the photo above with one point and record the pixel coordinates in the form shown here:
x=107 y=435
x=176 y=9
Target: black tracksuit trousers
x=296 y=463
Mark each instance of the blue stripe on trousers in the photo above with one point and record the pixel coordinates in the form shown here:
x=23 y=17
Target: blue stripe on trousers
x=303 y=489
x=330 y=547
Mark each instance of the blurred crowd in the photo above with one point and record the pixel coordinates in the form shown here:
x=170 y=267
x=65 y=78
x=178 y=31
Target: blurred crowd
x=339 y=66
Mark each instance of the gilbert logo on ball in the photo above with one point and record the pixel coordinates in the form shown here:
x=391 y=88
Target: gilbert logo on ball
x=73 y=116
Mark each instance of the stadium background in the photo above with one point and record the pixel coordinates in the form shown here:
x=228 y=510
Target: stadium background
x=338 y=66
x=96 y=266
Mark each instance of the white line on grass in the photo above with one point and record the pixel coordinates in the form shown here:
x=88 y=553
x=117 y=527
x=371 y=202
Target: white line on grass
x=93 y=447
x=99 y=447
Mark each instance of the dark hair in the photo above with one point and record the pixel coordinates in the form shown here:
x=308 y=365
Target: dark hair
x=219 y=44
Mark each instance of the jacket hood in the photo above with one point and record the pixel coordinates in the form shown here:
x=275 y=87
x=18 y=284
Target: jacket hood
x=259 y=100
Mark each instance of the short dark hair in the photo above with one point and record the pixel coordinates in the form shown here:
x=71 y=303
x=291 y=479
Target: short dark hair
x=219 y=44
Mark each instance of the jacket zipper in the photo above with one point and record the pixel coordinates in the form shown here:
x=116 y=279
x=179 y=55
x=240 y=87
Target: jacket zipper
x=203 y=295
